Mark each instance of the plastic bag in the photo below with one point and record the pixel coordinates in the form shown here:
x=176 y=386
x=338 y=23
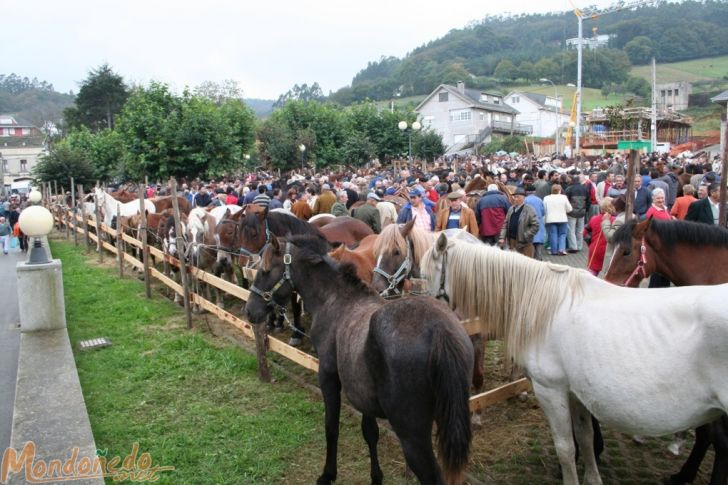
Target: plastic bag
x=14 y=243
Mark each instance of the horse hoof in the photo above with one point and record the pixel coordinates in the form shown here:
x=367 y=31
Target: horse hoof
x=295 y=342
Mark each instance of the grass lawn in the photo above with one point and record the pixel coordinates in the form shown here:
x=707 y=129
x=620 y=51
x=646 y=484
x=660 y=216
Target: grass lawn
x=708 y=68
x=191 y=400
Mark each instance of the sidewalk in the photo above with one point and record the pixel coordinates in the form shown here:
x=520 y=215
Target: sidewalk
x=9 y=341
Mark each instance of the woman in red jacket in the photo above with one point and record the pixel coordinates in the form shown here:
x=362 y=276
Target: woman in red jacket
x=598 y=242
x=658 y=210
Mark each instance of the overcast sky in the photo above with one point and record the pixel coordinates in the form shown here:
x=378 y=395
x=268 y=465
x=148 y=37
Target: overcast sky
x=267 y=46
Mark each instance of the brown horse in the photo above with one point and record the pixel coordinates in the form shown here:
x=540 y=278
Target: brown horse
x=346 y=230
x=687 y=253
x=362 y=257
x=164 y=203
x=124 y=196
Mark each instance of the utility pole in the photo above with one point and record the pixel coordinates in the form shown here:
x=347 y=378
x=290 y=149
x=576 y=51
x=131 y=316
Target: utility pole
x=653 y=120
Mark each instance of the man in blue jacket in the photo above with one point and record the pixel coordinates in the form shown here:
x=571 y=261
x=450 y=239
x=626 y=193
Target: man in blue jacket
x=537 y=204
x=642 y=199
x=425 y=218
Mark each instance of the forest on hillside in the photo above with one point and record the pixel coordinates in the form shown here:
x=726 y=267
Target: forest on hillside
x=502 y=49
x=32 y=100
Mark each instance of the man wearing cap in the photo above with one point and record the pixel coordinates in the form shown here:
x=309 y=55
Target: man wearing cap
x=521 y=225
x=369 y=214
x=339 y=207
x=418 y=210
x=490 y=214
x=325 y=201
x=457 y=215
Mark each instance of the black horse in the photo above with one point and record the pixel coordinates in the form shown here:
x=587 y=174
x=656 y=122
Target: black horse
x=250 y=237
x=407 y=360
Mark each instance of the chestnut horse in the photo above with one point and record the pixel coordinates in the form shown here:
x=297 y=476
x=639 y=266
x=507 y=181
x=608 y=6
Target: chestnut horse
x=687 y=253
x=346 y=230
x=362 y=257
x=164 y=203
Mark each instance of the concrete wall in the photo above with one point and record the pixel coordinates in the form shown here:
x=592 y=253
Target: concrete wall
x=673 y=95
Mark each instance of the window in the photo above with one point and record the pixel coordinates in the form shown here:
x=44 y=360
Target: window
x=662 y=93
x=442 y=97
x=460 y=115
x=26 y=131
x=496 y=100
x=427 y=121
x=482 y=116
x=484 y=97
x=515 y=100
x=676 y=93
x=24 y=165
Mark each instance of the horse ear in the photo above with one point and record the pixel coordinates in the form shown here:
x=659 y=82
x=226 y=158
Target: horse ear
x=226 y=214
x=146 y=213
x=263 y=214
x=408 y=227
x=275 y=244
x=641 y=228
x=441 y=243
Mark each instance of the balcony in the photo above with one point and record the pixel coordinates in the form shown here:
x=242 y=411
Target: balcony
x=511 y=128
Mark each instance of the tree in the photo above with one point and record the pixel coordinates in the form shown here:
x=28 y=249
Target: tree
x=358 y=149
x=640 y=50
x=63 y=162
x=303 y=92
x=428 y=145
x=219 y=93
x=99 y=101
x=506 y=70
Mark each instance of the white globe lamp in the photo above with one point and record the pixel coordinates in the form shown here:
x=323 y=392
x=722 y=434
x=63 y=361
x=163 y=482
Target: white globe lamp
x=34 y=196
x=402 y=125
x=416 y=126
x=36 y=221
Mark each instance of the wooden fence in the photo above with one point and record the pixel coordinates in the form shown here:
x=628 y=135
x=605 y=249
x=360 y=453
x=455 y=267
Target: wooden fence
x=65 y=217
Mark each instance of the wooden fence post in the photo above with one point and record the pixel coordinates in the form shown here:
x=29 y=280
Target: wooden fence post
x=84 y=219
x=119 y=242
x=73 y=209
x=181 y=254
x=99 y=244
x=143 y=236
x=722 y=215
x=632 y=166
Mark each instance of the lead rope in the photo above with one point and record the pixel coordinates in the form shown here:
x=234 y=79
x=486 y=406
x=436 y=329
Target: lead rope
x=640 y=264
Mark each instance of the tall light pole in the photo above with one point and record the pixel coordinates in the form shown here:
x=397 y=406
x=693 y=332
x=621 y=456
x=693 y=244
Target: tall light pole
x=302 y=149
x=404 y=126
x=558 y=111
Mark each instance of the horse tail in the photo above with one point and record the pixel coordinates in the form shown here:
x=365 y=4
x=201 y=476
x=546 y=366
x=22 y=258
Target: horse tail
x=451 y=365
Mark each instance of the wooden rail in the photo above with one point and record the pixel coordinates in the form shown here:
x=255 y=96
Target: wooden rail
x=477 y=402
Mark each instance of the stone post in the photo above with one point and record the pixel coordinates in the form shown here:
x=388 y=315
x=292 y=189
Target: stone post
x=40 y=296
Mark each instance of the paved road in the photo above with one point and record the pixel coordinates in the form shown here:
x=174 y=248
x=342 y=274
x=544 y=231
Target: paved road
x=9 y=341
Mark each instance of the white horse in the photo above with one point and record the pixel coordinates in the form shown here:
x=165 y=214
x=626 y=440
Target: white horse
x=219 y=212
x=113 y=207
x=646 y=362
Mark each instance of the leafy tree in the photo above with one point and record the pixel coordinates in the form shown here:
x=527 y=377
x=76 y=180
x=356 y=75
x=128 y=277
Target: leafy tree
x=63 y=162
x=219 y=93
x=358 y=149
x=506 y=70
x=99 y=101
x=527 y=71
x=640 y=49
x=303 y=92
x=428 y=145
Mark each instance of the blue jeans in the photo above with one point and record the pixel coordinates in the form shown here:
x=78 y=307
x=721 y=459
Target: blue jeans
x=557 y=236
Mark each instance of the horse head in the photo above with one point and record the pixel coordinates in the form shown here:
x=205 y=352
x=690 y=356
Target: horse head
x=253 y=231
x=633 y=259
x=273 y=286
x=394 y=250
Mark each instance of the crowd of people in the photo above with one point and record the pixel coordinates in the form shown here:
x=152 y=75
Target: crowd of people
x=530 y=206
x=10 y=234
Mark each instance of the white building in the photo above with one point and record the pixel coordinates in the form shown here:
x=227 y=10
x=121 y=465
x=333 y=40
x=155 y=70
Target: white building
x=467 y=117
x=594 y=42
x=543 y=113
x=21 y=145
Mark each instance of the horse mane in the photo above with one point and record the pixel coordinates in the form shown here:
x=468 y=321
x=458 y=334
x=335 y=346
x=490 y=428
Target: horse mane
x=391 y=239
x=677 y=232
x=282 y=224
x=689 y=232
x=312 y=248
x=515 y=297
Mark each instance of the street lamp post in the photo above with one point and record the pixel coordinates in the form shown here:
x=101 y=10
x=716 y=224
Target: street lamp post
x=302 y=149
x=404 y=126
x=558 y=112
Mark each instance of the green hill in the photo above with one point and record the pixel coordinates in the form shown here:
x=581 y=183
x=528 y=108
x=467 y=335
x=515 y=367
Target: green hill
x=522 y=49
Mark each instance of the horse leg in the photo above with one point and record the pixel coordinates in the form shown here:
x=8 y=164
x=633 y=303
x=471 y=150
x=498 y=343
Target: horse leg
x=297 y=337
x=479 y=355
x=719 y=437
x=555 y=404
x=582 y=422
x=689 y=470
x=416 y=438
x=370 y=430
x=331 y=390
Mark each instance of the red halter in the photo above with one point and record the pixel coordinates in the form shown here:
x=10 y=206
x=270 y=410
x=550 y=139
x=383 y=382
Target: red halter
x=640 y=269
